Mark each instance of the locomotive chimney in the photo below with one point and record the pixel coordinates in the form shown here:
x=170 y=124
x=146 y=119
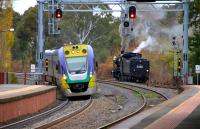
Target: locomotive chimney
x=122 y=51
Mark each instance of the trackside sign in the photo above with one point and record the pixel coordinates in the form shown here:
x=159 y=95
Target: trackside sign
x=197 y=68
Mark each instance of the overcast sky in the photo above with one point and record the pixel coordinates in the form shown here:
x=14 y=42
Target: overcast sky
x=22 y=5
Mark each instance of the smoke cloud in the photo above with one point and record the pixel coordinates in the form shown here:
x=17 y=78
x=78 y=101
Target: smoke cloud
x=152 y=31
x=150 y=41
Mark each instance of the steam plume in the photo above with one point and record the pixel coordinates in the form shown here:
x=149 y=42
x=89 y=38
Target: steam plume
x=150 y=41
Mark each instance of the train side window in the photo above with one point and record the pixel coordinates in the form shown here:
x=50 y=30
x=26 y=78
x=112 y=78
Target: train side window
x=58 y=67
x=62 y=71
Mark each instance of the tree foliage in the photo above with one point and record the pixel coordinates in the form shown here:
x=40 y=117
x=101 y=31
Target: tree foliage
x=194 y=39
x=25 y=36
x=98 y=30
x=6 y=38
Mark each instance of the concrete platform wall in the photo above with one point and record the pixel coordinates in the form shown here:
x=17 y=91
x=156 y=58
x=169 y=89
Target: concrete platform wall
x=26 y=106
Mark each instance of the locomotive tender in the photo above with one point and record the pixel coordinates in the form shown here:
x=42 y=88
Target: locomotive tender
x=130 y=67
x=72 y=69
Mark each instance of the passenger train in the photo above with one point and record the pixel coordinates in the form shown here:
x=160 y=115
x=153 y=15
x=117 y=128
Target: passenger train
x=72 y=69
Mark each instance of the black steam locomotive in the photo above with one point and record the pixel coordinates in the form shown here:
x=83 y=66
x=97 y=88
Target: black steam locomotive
x=130 y=67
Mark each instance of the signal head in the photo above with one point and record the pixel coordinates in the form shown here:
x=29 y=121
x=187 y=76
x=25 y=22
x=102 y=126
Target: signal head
x=126 y=24
x=132 y=12
x=58 y=13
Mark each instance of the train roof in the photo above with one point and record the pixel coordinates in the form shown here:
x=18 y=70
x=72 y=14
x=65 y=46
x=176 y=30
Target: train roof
x=131 y=54
x=51 y=51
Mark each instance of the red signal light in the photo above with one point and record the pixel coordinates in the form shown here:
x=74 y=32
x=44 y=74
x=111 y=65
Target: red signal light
x=132 y=15
x=132 y=12
x=58 y=13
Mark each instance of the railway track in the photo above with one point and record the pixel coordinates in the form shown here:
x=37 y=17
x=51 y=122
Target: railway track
x=20 y=123
x=66 y=117
x=130 y=87
x=61 y=120
x=52 y=122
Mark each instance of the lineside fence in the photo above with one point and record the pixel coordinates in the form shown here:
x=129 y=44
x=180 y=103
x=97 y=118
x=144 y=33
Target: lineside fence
x=22 y=78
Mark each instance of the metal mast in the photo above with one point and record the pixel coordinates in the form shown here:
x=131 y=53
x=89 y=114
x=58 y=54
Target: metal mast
x=40 y=37
x=185 y=40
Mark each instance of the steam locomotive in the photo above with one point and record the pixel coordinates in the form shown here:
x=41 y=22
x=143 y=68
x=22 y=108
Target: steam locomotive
x=131 y=67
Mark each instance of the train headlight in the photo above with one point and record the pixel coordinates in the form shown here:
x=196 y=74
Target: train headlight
x=90 y=74
x=66 y=52
x=64 y=77
x=84 y=51
x=147 y=70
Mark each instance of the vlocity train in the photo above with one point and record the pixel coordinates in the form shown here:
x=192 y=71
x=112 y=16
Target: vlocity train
x=72 y=69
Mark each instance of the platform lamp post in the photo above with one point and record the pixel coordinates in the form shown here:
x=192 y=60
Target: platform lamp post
x=2 y=45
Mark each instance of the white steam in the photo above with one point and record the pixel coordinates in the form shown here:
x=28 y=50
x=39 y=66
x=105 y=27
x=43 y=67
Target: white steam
x=149 y=42
x=153 y=31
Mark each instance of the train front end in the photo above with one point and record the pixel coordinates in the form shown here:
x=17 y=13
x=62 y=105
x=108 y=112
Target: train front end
x=79 y=76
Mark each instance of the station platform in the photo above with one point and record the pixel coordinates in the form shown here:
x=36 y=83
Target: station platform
x=19 y=100
x=180 y=112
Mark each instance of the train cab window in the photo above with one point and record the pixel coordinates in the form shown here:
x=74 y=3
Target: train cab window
x=77 y=65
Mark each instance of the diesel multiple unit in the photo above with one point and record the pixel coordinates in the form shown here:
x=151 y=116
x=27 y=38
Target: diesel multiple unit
x=72 y=69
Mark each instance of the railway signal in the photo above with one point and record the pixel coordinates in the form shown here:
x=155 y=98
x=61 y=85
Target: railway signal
x=126 y=24
x=58 y=13
x=179 y=65
x=46 y=64
x=132 y=12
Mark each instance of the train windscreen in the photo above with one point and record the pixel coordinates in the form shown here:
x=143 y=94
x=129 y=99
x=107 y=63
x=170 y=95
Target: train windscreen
x=76 y=65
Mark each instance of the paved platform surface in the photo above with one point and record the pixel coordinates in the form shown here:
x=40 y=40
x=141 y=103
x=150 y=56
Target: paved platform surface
x=180 y=112
x=11 y=92
x=20 y=100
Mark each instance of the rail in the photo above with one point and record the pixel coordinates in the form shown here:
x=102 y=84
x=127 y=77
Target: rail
x=18 y=124
x=66 y=117
x=130 y=87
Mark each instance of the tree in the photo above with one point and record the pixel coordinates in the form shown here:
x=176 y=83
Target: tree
x=6 y=38
x=96 y=30
x=25 y=37
x=194 y=39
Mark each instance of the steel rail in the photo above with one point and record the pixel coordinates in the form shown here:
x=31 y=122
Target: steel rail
x=127 y=86
x=129 y=115
x=13 y=125
x=134 y=85
x=66 y=117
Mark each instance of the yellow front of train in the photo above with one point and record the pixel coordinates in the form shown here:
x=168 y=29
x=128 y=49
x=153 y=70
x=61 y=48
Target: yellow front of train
x=79 y=77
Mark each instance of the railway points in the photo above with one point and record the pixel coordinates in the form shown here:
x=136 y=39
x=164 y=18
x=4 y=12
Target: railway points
x=19 y=100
